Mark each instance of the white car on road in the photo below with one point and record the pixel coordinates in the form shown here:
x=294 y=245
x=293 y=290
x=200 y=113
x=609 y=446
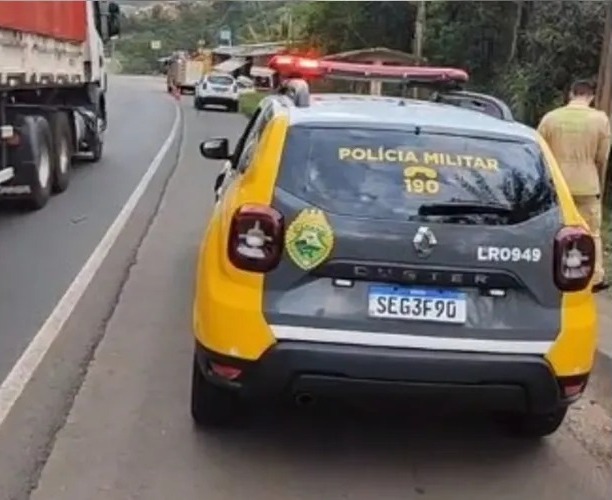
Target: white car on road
x=217 y=89
x=245 y=85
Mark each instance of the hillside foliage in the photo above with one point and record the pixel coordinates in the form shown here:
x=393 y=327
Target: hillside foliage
x=526 y=52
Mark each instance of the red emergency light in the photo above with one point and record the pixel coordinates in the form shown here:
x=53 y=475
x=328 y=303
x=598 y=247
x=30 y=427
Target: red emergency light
x=291 y=66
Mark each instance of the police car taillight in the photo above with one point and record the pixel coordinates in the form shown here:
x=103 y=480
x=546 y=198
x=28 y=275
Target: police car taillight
x=574 y=259
x=256 y=238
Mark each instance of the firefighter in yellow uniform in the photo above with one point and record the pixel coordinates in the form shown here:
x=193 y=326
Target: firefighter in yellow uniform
x=579 y=137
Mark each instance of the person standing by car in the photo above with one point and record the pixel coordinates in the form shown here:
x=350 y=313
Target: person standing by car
x=579 y=137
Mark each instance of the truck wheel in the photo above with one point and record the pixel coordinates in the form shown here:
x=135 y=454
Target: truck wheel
x=62 y=151
x=39 y=172
x=95 y=138
x=97 y=145
x=95 y=142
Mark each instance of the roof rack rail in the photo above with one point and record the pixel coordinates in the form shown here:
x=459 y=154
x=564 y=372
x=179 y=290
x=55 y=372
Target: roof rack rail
x=476 y=101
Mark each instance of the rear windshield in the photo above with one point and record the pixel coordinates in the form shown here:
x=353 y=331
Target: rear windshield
x=220 y=80
x=392 y=174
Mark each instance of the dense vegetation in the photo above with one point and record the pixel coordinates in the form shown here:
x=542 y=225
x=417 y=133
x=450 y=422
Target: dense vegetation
x=184 y=26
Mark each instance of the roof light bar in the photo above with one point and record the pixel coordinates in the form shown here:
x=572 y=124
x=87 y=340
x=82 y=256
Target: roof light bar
x=301 y=67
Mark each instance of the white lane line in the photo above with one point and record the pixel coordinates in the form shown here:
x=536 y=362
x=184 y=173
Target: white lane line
x=22 y=372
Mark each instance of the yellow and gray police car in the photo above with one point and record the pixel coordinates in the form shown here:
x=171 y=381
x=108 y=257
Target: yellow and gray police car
x=370 y=245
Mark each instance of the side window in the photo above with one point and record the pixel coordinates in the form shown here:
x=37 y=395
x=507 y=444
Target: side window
x=252 y=138
x=245 y=135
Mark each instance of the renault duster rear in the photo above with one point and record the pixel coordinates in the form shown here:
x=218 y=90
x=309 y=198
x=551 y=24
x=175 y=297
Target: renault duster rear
x=404 y=247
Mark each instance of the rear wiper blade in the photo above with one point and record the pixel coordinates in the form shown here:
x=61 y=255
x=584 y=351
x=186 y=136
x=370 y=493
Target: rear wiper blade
x=464 y=208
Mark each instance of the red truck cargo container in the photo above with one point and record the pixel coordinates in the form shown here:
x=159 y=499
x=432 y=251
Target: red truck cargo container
x=64 y=20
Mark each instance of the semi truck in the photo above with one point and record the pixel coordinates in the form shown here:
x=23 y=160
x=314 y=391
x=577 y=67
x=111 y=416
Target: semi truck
x=53 y=85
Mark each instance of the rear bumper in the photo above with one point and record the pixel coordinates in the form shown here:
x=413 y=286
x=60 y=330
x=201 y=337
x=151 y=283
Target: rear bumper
x=216 y=99
x=484 y=381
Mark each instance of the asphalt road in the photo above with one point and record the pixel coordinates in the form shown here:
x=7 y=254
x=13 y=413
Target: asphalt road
x=129 y=434
x=41 y=252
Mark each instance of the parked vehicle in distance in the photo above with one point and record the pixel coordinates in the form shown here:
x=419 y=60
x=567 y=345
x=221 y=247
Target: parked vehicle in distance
x=245 y=85
x=184 y=72
x=264 y=79
x=217 y=89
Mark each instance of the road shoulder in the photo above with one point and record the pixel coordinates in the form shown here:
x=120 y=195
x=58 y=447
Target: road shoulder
x=601 y=381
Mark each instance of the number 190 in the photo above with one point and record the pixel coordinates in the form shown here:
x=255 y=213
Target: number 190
x=419 y=186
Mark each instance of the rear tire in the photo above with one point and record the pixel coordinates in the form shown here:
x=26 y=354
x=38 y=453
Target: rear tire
x=535 y=425
x=40 y=176
x=95 y=138
x=96 y=147
x=62 y=151
x=211 y=406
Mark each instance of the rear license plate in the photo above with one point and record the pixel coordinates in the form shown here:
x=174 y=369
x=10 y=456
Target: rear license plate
x=420 y=304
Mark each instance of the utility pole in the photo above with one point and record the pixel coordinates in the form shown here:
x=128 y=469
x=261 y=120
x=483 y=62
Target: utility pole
x=289 y=25
x=604 y=78
x=419 y=30
x=419 y=37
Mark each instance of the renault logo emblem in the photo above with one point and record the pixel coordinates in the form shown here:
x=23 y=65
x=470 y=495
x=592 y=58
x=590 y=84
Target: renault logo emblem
x=424 y=241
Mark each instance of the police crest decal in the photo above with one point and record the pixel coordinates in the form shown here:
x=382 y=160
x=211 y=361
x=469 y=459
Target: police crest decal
x=309 y=239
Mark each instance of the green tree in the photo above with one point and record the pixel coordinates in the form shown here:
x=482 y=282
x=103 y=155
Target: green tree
x=339 y=26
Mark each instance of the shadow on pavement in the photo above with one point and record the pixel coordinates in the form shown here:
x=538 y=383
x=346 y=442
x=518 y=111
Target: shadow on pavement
x=331 y=430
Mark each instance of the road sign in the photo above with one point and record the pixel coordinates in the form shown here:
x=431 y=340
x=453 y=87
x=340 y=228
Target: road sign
x=225 y=36
x=156 y=45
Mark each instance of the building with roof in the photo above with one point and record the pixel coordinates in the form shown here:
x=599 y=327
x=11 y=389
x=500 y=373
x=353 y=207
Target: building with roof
x=229 y=58
x=379 y=56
